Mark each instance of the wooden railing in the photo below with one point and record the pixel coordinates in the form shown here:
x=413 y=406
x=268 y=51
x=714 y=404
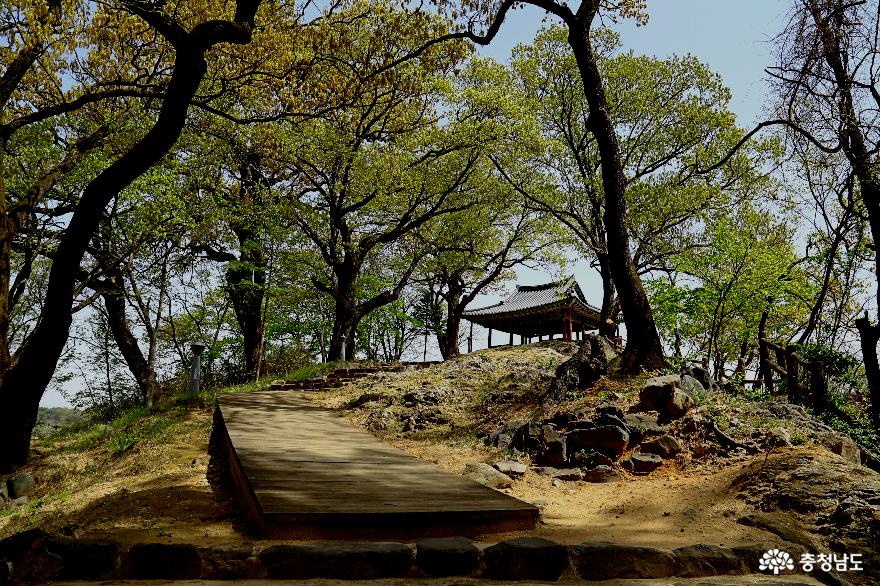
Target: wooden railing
x=789 y=365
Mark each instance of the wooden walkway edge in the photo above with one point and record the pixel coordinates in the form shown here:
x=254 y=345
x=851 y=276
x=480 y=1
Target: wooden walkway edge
x=302 y=472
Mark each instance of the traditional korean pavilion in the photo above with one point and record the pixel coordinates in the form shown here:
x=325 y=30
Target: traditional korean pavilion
x=538 y=311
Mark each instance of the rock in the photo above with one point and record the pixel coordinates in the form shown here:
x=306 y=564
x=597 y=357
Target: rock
x=511 y=468
x=610 y=561
x=525 y=558
x=664 y=446
x=655 y=391
x=528 y=438
x=4 y=492
x=447 y=556
x=232 y=561
x=569 y=474
x=379 y=420
x=843 y=446
x=782 y=525
x=695 y=561
x=607 y=439
x=609 y=419
x=778 y=438
x=169 y=561
x=692 y=386
x=641 y=463
x=701 y=375
x=602 y=474
x=677 y=404
x=369 y=398
x=84 y=559
x=611 y=409
x=486 y=475
x=549 y=447
x=16 y=503
x=26 y=559
x=342 y=560
x=581 y=371
x=19 y=485
x=646 y=424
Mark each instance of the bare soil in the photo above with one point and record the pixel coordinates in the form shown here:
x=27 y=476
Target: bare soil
x=159 y=489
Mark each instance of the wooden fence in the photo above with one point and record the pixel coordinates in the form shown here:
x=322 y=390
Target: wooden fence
x=783 y=364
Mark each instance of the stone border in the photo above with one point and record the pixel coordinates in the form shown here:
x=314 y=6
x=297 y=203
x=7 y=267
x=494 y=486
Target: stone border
x=34 y=556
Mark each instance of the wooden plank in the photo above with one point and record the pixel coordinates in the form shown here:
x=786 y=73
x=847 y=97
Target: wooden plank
x=301 y=468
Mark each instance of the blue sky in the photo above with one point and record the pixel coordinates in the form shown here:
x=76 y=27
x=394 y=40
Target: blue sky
x=733 y=38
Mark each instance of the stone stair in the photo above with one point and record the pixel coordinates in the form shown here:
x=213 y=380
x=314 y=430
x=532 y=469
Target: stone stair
x=343 y=376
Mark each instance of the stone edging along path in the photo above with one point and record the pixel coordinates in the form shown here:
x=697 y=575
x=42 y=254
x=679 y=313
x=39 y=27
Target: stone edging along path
x=34 y=556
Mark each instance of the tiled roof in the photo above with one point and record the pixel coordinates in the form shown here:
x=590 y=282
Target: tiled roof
x=564 y=292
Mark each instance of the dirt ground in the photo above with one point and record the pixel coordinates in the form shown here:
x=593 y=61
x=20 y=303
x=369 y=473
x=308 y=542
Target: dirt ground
x=161 y=493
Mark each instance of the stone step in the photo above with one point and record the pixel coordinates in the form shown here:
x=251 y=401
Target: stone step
x=35 y=556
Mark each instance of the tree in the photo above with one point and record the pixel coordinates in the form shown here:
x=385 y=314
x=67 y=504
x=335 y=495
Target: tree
x=671 y=114
x=25 y=380
x=643 y=348
x=826 y=79
x=365 y=180
x=711 y=309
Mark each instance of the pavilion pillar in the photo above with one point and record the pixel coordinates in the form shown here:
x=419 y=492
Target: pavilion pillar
x=490 y=337
x=511 y=339
x=471 y=339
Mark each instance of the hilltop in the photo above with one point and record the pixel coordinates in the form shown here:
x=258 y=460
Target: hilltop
x=745 y=471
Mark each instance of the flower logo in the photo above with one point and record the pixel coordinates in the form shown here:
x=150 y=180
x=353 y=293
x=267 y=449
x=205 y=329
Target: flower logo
x=776 y=560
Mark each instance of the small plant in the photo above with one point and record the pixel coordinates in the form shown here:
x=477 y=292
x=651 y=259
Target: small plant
x=549 y=364
x=122 y=442
x=797 y=439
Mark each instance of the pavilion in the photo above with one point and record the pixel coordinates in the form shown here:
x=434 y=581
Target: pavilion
x=538 y=311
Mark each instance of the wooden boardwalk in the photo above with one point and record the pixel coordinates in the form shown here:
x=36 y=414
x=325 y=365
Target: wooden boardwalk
x=301 y=471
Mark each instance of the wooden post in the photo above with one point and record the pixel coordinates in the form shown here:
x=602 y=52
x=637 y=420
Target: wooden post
x=792 y=366
x=490 y=337
x=471 y=339
x=511 y=338
x=764 y=354
x=819 y=386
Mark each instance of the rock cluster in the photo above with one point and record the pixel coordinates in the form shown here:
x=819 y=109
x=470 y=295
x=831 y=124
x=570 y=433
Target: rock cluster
x=586 y=446
x=14 y=490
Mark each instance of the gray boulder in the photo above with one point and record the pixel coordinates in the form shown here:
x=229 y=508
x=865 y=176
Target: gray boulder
x=488 y=476
x=641 y=463
x=664 y=446
x=511 y=468
x=607 y=439
x=677 y=404
x=20 y=485
x=843 y=446
x=602 y=474
x=656 y=389
x=692 y=386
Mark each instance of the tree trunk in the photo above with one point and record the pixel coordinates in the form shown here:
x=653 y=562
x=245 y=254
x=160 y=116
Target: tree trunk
x=644 y=350
x=870 y=335
x=345 y=320
x=114 y=301
x=455 y=304
x=610 y=306
x=26 y=381
x=245 y=284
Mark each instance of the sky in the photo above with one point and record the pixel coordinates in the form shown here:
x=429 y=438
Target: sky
x=734 y=38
